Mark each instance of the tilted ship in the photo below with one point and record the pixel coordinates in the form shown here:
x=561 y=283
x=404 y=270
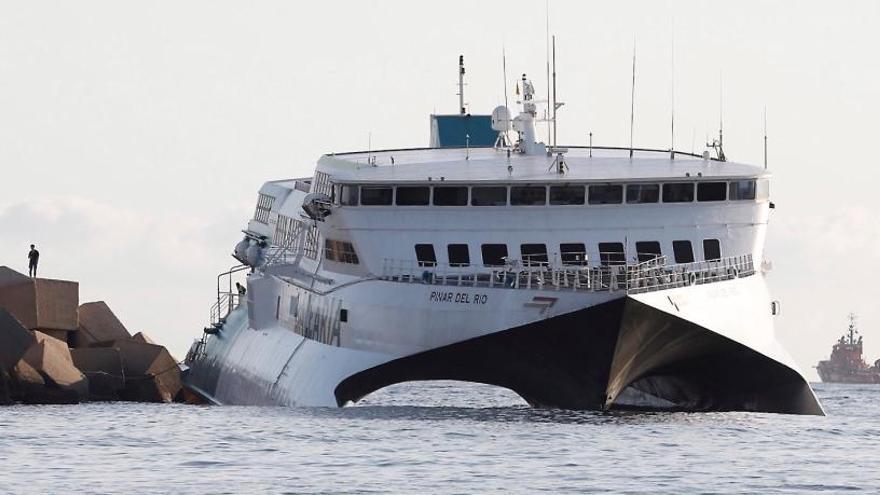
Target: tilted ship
x=846 y=364
x=579 y=277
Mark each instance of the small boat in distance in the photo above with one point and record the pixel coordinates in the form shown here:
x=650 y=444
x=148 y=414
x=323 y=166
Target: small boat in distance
x=846 y=364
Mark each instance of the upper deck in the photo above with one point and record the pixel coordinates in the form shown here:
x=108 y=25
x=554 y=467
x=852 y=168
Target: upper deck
x=487 y=165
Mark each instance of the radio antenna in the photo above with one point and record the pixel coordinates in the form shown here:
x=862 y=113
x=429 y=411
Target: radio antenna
x=555 y=107
x=672 y=107
x=765 y=137
x=632 y=101
x=504 y=70
x=547 y=31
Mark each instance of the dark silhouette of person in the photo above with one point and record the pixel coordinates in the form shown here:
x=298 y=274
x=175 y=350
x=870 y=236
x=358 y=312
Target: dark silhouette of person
x=33 y=259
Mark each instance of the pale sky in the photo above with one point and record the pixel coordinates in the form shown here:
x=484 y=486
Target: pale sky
x=134 y=135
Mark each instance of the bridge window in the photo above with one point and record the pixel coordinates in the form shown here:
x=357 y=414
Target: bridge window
x=376 y=196
x=642 y=193
x=489 y=196
x=611 y=253
x=425 y=254
x=567 y=195
x=742 y=190
x=458 y=255
x=678 y=192
x=349 y=196
x=533 y=254
x=683 y=251
x=711 y=191
x=573 y=253
x=494 y=254
x=450 y=196
x=528 y=195
x=647 y=250
x=340 y=251
x=413 y=195
x=606 y=194
x=711 y=249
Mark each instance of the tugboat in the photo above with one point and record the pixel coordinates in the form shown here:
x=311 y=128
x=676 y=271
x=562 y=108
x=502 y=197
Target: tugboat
x=580 y=277
x=846 y=364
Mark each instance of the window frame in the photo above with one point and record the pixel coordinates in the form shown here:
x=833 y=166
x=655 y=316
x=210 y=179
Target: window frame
x=365 y=188
x=591 y=191
x=643 y=254
x=583 y=195
x=427 y=196
x=641 y=186
x=704 y=185
x=670 y=185
x=564 y=251
x=501 y=260
x=506 y=195
x=675 y=251
x=466 y=251
x=524 y=187
x=610 y=257
x=717 y=246
x=432 y=262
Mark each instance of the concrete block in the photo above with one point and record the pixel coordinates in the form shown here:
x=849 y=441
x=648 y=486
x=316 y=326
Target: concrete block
x=51 y=358
x=142 y=338
x=103 y=367
x=15 y=340
x=62 y=335
x=98 y=324
x=151 y=373
x=39 y=302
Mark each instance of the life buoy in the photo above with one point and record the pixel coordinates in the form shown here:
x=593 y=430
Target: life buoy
x=732 y=272
x=692 y=279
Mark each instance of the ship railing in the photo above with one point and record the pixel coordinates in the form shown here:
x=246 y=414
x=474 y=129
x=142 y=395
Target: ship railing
x=658 y=275
x=650 y=275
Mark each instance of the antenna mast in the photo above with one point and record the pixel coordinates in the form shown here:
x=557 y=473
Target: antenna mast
x=632 y=102
x=765 y=138
x=555 y=107
x=461 y=84
x=504 y=70
x=672 y=111
x=547 y=30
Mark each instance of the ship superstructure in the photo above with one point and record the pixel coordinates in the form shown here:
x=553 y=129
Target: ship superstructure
x=577 y=276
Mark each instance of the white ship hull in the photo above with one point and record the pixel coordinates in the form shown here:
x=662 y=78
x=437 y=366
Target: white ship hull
x=701 y=347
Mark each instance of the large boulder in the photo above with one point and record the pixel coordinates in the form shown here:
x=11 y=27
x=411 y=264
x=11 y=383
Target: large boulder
x=151 y=373
x=51 y=358
x=103 y=367
x=97 y=325
x=15 y=340
x=39 y=303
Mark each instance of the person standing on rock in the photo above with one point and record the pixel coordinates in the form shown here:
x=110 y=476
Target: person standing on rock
x=33 y=259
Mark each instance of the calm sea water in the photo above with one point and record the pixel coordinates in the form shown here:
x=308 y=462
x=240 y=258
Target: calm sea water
x=438 y=437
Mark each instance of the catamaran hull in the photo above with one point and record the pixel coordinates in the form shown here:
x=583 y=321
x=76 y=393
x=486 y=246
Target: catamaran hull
x=698 y=348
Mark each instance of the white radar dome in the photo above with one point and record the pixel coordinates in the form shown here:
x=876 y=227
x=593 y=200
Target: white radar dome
x=501 y=119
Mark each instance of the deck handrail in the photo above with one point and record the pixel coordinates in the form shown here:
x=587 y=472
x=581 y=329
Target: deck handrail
x=647 y=276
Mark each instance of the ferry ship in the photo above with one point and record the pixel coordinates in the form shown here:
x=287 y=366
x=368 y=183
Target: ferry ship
x=846 y=364
x=579 y=277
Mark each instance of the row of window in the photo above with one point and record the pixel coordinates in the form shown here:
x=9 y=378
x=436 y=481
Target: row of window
x=574 y=253
x=541 y=195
